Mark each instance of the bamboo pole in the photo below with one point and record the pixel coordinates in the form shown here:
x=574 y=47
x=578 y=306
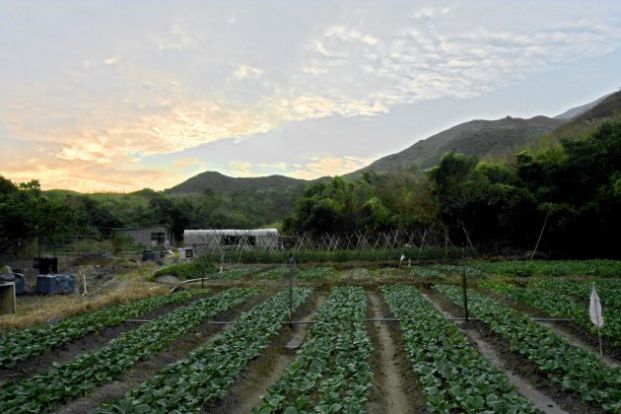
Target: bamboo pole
x=540 y=235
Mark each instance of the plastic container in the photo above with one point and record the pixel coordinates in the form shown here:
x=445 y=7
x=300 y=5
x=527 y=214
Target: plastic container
x=53 y=284
x=20 y=283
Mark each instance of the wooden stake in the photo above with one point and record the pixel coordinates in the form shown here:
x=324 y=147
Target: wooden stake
x=464 y=286
x=540 y=235
x=601 y=348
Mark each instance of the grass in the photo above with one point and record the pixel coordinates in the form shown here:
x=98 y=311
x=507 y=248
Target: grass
x=190 y=270
x=32 y=310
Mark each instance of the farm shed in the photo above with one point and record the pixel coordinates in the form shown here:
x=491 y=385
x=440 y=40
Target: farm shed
x=247 y=239
x=159 y=235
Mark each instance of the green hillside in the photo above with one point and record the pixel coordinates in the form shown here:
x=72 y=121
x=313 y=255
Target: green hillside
x=220 y=183
x=479 y=138
x=581 y=126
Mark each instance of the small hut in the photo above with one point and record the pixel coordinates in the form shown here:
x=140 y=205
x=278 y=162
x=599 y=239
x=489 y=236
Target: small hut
x=151 y=236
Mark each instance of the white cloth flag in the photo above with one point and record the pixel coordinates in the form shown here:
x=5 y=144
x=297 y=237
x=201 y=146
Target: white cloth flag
x=595 y=309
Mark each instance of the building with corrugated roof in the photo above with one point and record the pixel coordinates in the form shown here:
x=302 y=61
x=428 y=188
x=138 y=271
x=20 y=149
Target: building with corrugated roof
x=203 y=240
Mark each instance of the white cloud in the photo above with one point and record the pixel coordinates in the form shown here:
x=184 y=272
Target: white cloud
x=362 y=62
x=177 y=38
x=112 y=60
x=331 y=165
x=246 y=71
x=241 y=169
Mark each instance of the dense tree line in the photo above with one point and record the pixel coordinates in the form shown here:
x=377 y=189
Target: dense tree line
x=57 y=217
x=574 y=188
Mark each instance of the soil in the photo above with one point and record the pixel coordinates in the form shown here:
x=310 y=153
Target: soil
x=574 y=334
x=539 y=400
x=514 y=364
x=247 y=391
x=78 y=346
x=585 y=340
x=395 y=388
x=145 y=369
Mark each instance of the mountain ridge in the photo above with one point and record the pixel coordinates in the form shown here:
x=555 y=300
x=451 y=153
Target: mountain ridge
x=479 y=137
x=221 y=183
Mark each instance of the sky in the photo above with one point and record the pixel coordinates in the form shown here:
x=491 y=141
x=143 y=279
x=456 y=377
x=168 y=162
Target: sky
x=121 y=95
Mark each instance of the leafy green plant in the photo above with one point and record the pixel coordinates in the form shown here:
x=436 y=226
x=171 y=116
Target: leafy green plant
x=331 y=373
x=65 y=382
x=454 y=376
x=572 y=368
x=569 y=299
x=30 y=342
x=206 y=373
x=603 y=268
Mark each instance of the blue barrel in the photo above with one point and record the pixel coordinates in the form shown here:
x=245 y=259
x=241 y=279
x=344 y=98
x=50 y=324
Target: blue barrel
x=65 y=283
x=51 y=284
x=20 y=283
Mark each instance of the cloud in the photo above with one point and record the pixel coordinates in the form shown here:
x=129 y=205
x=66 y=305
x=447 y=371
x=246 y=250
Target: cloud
x=86 y=176
x=112 y=60
x=171 y=89
x=189 y=163
x=241 y=169
x=279 y=166
x=245 y=71
x=329 y=165
x=431 y=57
x=177 y=38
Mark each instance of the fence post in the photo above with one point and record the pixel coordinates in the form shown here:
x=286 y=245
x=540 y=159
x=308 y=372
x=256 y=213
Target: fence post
x=464 y=286
x=291 y=273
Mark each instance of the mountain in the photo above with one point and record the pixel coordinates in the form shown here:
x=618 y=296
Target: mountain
x=607 y=109
x=220 y=183
x=479 y=138
x=579 y=110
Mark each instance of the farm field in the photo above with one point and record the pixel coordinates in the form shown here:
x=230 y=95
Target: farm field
x=343 y=339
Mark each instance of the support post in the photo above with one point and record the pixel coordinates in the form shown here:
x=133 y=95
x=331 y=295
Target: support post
x=464 y=286
x=291 y=273
x=543 y=227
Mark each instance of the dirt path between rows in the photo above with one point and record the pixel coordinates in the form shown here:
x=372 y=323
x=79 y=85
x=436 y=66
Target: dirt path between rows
x=579 y=342
x=393 y=392
x=143 y=370
x=79 y=346
x=522 y=373
x=247 y=391
x=575 y=334
x=539 y=399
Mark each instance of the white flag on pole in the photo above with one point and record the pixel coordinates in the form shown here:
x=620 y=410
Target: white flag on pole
x=402 y=258
x=595 y=309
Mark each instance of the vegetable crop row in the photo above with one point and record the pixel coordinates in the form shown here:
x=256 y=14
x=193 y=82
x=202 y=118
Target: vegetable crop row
x=34 y=341
x=455 y=377
x=609 y=290
x=604 y=268
x=425 y=272
x=331 y=373
x=574 y=369
x=549 y=298
x=65 y=382
x=206 y=373
x=282 y=272
x=455 y=269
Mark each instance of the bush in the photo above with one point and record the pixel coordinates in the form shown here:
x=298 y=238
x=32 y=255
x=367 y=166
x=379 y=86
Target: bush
x=200 y=267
